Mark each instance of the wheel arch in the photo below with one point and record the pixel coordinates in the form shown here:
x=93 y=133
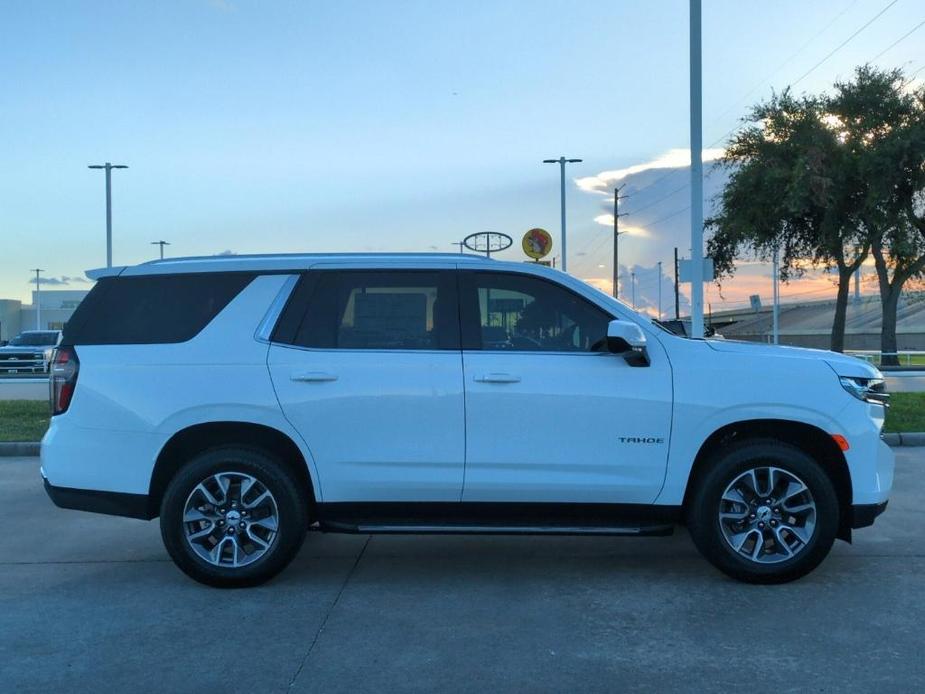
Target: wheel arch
x=197 y=438
x=809 y=438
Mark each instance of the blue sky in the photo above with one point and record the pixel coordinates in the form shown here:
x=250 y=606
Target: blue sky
x=303 y=126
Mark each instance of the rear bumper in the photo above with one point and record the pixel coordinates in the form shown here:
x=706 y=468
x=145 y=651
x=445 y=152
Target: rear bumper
x=110 y=503
x=864 y=515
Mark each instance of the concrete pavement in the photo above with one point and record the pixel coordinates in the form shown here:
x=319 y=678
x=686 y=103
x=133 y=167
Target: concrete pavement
x=92 y=603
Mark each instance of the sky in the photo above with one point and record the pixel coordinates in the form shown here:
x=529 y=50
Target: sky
x=260 y=127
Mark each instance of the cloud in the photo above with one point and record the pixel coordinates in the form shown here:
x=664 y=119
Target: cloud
x=226 y=253
x=672 y=159
x=59 y=281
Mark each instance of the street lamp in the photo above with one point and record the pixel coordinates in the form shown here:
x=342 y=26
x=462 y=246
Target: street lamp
x=696 y=123
x=38 y=298
x=108 y=167
x=161 y=244
x=562 y=161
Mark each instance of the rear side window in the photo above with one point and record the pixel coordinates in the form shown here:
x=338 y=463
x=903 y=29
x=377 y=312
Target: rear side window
x=403 y=310
x=152 y=309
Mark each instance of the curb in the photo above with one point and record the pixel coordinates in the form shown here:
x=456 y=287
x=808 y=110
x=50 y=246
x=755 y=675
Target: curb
x=23 y=449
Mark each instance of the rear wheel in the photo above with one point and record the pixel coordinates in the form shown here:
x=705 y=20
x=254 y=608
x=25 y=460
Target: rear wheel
x=764 y=512
x=233 y=517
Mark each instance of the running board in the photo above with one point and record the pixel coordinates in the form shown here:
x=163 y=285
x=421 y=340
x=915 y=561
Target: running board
x=409 y=529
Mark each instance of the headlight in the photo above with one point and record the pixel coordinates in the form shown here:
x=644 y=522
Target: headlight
x=866 y=389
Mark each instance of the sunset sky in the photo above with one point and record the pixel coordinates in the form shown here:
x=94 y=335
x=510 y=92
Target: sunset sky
x=387 y=126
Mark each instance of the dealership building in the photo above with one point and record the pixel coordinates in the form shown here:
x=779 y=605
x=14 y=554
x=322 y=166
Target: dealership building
x=50 y=310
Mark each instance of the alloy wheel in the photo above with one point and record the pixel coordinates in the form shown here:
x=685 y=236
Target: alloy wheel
x=767 y=515
x=230 y=519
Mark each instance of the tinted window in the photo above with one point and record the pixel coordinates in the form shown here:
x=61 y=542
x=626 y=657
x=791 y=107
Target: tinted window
x=529 y=314
x=35 y=339
x=379 y=310
x=152 y=309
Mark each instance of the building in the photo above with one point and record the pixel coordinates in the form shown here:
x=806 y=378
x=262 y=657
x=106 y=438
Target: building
x=57 y=306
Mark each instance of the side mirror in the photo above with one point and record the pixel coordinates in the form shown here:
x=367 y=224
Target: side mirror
x=622 y=336
x=627 y=339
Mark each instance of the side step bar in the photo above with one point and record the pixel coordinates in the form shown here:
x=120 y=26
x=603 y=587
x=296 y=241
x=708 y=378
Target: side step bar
x=409 y=529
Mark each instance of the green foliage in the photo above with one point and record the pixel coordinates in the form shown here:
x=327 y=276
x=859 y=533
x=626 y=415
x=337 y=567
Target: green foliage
x=23 y=420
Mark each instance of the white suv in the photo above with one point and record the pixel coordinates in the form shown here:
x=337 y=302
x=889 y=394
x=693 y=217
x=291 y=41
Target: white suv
x=247 y=399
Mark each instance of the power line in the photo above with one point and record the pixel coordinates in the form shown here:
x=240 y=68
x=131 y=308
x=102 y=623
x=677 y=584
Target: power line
x=752 y=91
x=805 y=74
x=843 y=43
x=900 y=40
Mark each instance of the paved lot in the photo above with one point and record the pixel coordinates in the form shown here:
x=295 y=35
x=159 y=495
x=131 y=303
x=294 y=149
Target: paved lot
x=91 y=603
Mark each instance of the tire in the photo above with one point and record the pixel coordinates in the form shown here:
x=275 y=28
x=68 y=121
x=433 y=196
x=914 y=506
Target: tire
x=233 y=543
x=728 y=479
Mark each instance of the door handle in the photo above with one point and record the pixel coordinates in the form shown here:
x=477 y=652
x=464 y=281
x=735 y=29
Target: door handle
x=497 y=378
x=313 y=377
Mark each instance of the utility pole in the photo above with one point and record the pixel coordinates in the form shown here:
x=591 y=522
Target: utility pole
x=857 y=285
x=696 y=109
x=38 y=298
x=616 y=240
x=108 y=167
x=161 y=244
x=461 y=244
x=562 y=161
x=633 y=282
x=659 y=289
x=677 y=298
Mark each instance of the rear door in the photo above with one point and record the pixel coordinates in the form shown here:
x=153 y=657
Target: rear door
x=367 y=367
x=551 y=416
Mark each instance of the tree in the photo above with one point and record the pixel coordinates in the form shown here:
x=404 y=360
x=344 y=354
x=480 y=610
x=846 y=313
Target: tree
x=882 y=125
x=830 y=180
x=790 y=191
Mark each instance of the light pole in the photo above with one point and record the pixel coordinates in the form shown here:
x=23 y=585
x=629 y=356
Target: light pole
x=775 y=311
x=161 y=244
x=633 y=282
x=562 y=161
x=38 y=298
x=108 y=167
x=696 y=108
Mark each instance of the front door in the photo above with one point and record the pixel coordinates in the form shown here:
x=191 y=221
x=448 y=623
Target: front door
x=369 y=372
x=551 y=416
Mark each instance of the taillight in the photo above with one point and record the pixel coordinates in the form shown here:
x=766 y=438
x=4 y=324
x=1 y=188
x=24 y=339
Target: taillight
x=63 y=378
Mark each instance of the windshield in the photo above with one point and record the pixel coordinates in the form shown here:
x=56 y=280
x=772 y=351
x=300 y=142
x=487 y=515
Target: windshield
x=39 y=339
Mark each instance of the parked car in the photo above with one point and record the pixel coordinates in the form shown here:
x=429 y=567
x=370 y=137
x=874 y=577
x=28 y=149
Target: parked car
x=245 y=400
x=29 y=352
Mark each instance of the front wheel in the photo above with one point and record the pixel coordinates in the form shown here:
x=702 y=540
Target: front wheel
x=764 y=512
x=233 y=517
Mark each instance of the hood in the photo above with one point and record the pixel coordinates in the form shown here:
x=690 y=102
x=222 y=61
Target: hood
x=36 y=349
x=842 y=364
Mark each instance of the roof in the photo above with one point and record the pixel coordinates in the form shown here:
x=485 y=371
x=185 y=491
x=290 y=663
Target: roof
x=276 y=262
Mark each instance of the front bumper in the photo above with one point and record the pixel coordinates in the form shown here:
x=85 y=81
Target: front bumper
x=110 y=503
x=864 y=515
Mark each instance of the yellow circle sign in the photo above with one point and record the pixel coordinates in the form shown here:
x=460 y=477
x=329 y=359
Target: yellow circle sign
x=537 y=243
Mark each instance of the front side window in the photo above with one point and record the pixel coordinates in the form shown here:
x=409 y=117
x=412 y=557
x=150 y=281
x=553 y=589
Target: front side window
x=529 y=314
x=380 y=310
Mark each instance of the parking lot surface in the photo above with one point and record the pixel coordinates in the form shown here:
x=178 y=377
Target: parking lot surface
x=92 y=603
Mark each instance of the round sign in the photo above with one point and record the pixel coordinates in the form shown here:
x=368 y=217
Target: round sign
x=537 y=243
x=487 y=242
